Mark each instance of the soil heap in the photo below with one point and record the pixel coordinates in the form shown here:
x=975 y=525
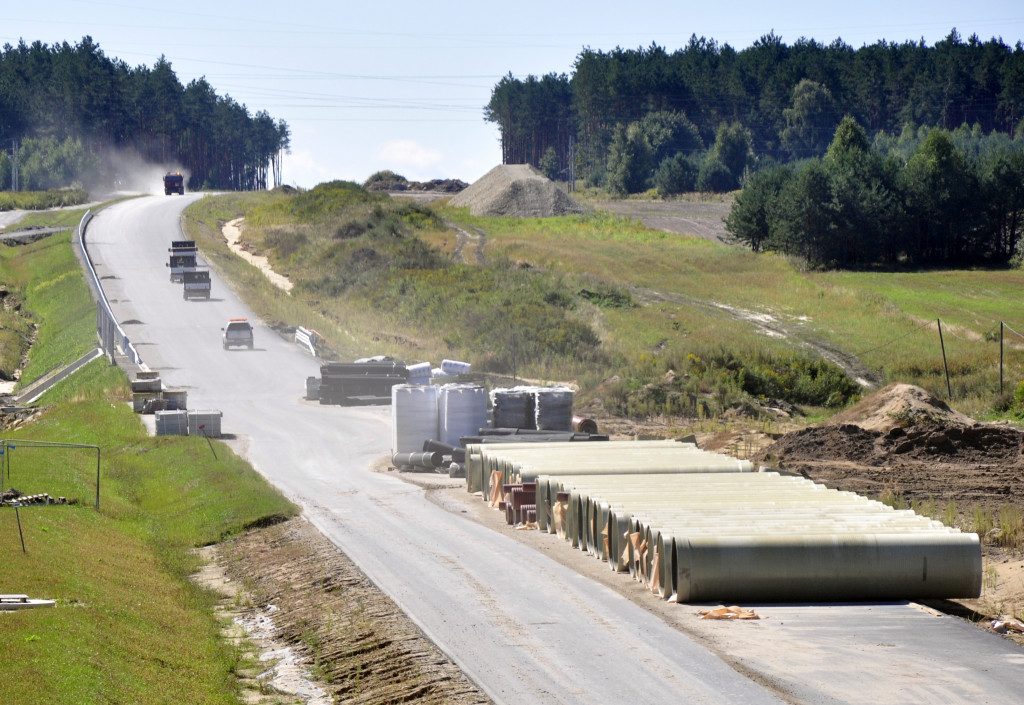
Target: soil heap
x=516 y=190
x=905 y=441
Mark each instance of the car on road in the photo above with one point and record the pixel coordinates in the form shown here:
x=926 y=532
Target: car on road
x=238 y=332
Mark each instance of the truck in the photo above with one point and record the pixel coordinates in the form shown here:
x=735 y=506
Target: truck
x=174 y=182
x=195 y=284
x=182 y=258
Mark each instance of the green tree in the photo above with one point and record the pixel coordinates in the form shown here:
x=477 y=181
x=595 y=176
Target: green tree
x=733 y=149
x=714 y=176
x=1003 y=195
x=865 y=203
x=750 y=219
x=941 y=188
x=810 y=121
x=676 y=174
x=803 y=221
x=549 y=164
x=629 y=161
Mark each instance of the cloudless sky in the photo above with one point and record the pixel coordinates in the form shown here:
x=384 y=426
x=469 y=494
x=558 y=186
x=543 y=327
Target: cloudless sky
x=400 y=85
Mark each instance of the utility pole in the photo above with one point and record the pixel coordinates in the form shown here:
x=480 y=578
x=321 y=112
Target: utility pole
x=572 y=164
x=14 y=165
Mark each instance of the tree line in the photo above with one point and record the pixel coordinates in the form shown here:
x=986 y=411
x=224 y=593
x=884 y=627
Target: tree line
x=931 y=198
x=704 y=116
x=65 y=108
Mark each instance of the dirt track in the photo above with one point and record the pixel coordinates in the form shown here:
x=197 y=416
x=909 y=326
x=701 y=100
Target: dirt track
x=699 y=218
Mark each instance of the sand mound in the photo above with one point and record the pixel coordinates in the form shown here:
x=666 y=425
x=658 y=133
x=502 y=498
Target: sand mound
x=899 y=405
x=516 y=190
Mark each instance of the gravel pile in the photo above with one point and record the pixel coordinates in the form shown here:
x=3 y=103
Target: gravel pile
x=516 y=190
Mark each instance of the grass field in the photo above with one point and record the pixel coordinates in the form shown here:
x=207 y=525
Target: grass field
x=128 y=626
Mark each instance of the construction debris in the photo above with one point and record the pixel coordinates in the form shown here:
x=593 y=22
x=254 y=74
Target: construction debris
x=733 y=612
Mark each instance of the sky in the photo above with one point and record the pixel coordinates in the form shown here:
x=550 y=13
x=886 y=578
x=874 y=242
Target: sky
x=400 y=85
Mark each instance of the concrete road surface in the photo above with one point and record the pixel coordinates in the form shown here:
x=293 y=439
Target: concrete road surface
x=525 y=628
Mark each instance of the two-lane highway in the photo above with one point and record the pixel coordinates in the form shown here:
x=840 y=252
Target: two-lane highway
x=525 y=628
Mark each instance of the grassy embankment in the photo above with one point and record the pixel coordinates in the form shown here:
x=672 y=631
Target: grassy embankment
x=128 y=627
x=586 y=298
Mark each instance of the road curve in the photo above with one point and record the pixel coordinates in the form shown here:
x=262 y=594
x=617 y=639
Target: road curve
x=525 y=628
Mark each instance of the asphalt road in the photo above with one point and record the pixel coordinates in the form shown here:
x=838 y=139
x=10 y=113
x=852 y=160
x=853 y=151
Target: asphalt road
x=524 y=627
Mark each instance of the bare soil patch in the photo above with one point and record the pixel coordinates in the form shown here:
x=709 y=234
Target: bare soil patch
x=353 y=643
x=704 y=218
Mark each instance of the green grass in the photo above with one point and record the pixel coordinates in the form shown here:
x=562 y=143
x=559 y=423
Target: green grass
x=886 y=319
x=47 y=278
x=129 y=626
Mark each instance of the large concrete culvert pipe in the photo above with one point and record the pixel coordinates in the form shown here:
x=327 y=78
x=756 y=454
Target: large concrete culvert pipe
x=820 y=567
x=761 y=537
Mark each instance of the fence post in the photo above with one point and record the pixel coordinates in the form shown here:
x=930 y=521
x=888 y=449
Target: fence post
x=1000 y=358
x=949 y=391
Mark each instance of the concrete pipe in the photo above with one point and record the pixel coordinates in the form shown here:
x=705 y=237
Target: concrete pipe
x=824 y=568
x=427 y=460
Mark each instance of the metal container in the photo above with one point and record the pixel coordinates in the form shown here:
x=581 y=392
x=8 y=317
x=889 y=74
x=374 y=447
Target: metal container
x=171 y=423
x=204 y=423
x=176 y=399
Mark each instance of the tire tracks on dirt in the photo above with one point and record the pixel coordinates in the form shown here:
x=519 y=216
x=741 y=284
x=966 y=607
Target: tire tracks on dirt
x=774 y=327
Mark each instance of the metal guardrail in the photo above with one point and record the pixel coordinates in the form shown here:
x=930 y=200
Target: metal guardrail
x=112 y=337
x=31 y=392
x=306 y=339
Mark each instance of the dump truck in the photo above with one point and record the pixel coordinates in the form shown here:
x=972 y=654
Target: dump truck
x=195 y=284
x=174 y=182
x=182 y=258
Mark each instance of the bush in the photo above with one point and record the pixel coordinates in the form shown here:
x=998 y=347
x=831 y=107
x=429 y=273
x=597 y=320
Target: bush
x=715 y=177
x=677 y=174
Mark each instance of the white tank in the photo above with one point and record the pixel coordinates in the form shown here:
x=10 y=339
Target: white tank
x=413 y=416
x=462 y=411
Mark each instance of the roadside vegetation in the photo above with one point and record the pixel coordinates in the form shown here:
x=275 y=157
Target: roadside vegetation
x=129 y=626
x=645 y=323
x=38 y=200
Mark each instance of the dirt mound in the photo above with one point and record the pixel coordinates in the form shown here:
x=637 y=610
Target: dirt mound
x=903 y=440
x=900 y=405
x=516 y=190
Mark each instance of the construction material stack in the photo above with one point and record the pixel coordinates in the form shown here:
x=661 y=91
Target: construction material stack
x=360 y=383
